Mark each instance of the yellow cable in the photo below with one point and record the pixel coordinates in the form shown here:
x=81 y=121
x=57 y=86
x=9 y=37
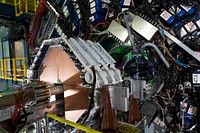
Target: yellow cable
x=70 y=123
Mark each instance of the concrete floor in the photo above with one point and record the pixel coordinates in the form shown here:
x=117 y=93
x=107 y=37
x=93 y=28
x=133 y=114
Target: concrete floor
x=58 y=65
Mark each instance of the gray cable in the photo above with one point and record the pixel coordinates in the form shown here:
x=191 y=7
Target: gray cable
x=158 y=52
x=161 y=86
x=128 y=18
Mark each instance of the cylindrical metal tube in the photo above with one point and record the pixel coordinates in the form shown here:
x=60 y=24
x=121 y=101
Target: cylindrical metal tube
x=41 y=90
x=43 y=94
x=47 y=123
x=38 y=85
x=43 y=98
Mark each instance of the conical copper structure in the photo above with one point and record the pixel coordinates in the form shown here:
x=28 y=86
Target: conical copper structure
x=109 y=121
x=134 y=115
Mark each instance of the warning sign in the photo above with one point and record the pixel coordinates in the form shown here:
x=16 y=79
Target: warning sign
x=124 y=128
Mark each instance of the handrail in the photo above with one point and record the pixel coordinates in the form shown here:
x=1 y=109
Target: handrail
x=1 y=69
x=72 y=124
x=22 y=6
x=13 y=69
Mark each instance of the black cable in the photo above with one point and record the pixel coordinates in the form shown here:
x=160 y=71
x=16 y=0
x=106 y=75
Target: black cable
x=91 y=95
x=21 y=121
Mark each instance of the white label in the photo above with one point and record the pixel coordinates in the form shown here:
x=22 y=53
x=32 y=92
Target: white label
x=63 y=34
x=66 y=13
x=77 y=11
x=190 y=27
x=93 y=10
x=29 y=73
x=59 y=31
x=198 y=23
x=93 y=4
x=174 y=10
x=92 y=18
x=165 y=15
x=183 y=32
x=73 y=28
x=127 y=2
x=56 y=26
x=91 y=1
x=76 y=6
x=192 y=110
x=196 y=78
x=65 y=8
x=187 y=8
x=79 y=16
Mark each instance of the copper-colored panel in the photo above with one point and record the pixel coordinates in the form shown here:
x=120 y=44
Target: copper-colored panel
x=109 y=121
x=58 y=65
x=134 y=115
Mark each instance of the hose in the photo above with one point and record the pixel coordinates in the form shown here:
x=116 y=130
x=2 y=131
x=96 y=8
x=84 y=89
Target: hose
x=158 y=52
x=128 y=18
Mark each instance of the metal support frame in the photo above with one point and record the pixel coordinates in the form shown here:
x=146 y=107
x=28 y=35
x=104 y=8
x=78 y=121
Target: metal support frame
x=13 y=69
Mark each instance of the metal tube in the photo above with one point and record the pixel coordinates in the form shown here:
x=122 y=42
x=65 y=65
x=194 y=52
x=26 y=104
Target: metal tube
x=47 y=123
x=38 y=85
x=41 y=90
x=43 y=94
x=158 y=52
x=42 y=98
x=38 y=127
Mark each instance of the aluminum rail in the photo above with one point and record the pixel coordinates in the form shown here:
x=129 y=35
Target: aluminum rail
x=182 y=45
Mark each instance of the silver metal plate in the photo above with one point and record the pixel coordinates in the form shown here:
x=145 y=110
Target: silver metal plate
x=182 y=45
x=143 y=27
x=119 y=97
x=118 y=31
x=116 y=91
x=121 y=104
x=137 y=87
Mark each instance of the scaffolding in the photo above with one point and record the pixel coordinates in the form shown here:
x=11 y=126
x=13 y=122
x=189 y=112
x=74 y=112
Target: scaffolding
x=13 y=69
x=22 y=6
